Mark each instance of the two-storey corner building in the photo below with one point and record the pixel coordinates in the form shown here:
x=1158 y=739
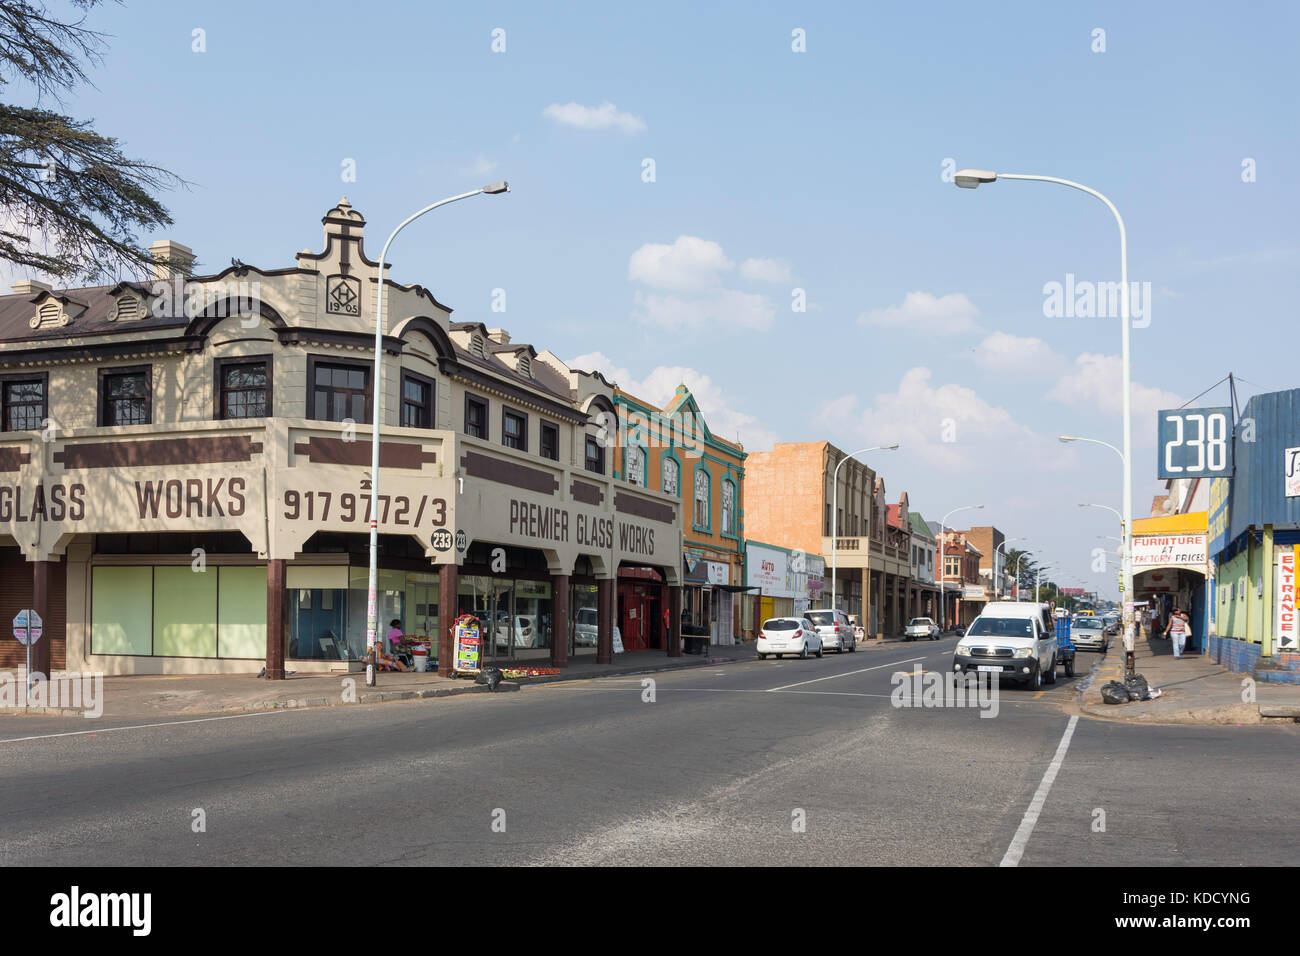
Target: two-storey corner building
x=962 y=588
x=673 y=450
x=185 y=472
x=891 y=560
x=991 y=543
x=925 y=600
x=791 y=499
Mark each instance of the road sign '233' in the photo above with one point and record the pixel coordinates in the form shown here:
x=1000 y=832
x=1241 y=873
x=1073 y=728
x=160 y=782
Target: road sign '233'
x=1195 y=443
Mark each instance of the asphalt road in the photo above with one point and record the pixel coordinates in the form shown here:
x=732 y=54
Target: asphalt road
x=720 y=768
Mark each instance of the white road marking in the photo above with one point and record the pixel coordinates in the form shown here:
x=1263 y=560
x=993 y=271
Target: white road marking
x=771 y=690
x=168 y=723
x=1026 y=829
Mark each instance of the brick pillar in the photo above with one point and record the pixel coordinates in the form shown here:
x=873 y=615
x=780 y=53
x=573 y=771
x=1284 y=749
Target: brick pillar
x=674 y=620
x=447 y=574
x=560 y=615
x=605 y=621
x=275 y=619
x=865 y=619
x=40 y=604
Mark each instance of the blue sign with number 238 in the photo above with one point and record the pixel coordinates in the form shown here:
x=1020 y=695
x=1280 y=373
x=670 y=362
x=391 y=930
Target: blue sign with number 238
x=1195 y=443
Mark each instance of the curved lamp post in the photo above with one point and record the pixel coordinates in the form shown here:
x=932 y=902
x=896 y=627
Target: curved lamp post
x=376 y=417
x=835 y=517
x=973 y=178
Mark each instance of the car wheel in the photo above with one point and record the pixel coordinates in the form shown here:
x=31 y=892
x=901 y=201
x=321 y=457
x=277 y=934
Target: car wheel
x=819 y=650
x=854 y=646
x=803 y=654
x=762 y=657
x=1035 y=681
x=840 y=649
x=1051 y=671
x=1069 y=667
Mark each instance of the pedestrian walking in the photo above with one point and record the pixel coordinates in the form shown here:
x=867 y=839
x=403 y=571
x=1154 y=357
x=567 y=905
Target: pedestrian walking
x=1177 y=631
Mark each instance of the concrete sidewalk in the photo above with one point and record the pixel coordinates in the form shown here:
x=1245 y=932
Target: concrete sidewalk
x=144 y=697
x=1194 y=689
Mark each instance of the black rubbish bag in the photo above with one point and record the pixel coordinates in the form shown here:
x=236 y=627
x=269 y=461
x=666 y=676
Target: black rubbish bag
x=1113 y=692
x=1138 y=689
x=490 y=676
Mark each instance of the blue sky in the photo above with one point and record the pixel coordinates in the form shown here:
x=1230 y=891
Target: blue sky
x=774 y=171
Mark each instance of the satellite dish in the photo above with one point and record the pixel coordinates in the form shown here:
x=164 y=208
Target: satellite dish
x=1169 y=507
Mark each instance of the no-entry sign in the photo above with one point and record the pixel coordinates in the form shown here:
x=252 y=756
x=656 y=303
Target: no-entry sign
x=28 y=627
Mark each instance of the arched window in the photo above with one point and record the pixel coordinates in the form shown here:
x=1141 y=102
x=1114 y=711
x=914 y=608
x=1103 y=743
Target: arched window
x=702 y=499
x=728 y=506
x=671 y=476
x=635 y=465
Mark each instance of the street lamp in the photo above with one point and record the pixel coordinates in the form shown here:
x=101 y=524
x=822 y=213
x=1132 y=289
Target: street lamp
x=377 y=417
x=835 y=518
x=971 y=179
x=1090 y=504
x=1039 y=580
x=943 y=572
x=1019 y=558
x=1005 y=542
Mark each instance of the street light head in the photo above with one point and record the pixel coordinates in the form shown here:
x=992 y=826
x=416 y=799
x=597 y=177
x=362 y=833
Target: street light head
x=501 y=187
x=893 y=447
x=971 y=178
x=1063 y=439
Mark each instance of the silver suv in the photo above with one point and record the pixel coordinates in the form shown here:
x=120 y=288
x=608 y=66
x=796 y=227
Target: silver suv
x=835 y=629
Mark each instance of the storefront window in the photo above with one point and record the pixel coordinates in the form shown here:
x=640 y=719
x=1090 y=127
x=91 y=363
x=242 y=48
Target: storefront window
x=515 y=614
x=421 y=618
x=317 y=624
x=585 y=608
x=390 y=596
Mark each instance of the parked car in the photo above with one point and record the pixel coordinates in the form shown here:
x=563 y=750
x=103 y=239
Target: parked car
x=921 y=627
x=1090 y=633
x=1013 y=640
x=788 y=635
x=523 y=630
x=835 y=630
x=584 y=627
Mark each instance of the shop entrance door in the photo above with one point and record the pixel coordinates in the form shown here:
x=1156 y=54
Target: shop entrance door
x=500 y=638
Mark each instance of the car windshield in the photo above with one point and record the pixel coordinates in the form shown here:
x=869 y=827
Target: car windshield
x=1086 y=624
x=918 y=622
x=780 y=624
x=587 y=615
x=822 y=618
x=1001 y=627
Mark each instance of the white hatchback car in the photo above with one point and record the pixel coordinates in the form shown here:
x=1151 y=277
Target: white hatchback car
x=788 y=635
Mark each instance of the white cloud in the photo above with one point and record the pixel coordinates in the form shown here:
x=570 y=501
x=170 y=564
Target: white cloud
x=482 y=165
x=1095 y=383
x=924 y=312
x=1003 y=352
x=659 y=386
x=945 y=426
x=765 y=270
x=602 y=117
x=721 y=307
x=689 y=264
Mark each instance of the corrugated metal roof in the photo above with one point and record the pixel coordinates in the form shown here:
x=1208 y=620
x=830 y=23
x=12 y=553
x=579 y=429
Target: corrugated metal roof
x=1259 y=479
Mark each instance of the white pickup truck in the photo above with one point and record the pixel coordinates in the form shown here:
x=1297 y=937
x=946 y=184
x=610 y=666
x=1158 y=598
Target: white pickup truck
x=921 y=627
